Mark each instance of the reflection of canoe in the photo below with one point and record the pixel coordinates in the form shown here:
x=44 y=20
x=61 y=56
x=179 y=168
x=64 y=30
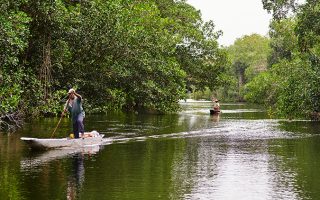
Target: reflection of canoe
x=213 y=112
x=54 y=154
x=49 y=143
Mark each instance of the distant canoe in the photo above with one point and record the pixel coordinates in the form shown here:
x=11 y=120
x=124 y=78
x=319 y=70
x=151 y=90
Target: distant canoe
x=213 y=112
x=50 y=143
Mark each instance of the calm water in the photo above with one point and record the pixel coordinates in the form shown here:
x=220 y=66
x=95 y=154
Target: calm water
x=240 y=154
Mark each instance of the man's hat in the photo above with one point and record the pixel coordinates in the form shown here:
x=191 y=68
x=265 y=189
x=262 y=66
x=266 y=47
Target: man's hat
x=71 y=91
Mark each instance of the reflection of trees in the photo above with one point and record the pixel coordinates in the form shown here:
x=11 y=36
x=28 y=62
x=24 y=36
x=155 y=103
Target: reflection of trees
x=149 y=124
x=193 y=122
x=209 y=167
x=139 y=170
x=42 y=128
x=167 y=168
x=298 y=165
x=300 y=127
x=55 y=174
x=9 y=176
x=9 y=183
x=194 y=166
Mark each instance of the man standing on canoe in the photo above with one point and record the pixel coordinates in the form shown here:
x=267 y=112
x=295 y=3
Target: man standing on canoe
x=74 y=106
x=216 y=105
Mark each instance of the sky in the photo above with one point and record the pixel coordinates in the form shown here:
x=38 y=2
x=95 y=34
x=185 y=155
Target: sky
x=235 y=18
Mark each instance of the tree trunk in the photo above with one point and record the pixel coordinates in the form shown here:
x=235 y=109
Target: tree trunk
x=46 y=68
x=240 y=84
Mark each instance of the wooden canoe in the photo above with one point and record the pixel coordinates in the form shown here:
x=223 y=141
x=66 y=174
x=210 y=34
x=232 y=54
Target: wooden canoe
x=50 y=143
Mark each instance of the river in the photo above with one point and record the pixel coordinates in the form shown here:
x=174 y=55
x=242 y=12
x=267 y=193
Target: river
x=240 y=154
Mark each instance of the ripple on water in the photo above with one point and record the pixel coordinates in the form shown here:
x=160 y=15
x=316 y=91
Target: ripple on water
x=248 y=130
x=231 y=130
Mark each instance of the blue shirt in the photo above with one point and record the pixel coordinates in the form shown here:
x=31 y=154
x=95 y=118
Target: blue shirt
x=75 y=108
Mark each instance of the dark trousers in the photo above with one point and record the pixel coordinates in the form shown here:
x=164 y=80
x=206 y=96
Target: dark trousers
x=78 y=126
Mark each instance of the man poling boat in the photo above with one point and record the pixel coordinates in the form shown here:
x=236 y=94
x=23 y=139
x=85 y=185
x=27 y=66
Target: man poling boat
x=74 y=106
x=216 y=106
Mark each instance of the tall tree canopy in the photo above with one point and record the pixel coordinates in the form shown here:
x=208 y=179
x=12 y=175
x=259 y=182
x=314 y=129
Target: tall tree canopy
x=291 y=85
x=248 y=56
x=280 y=8
x=118 y=54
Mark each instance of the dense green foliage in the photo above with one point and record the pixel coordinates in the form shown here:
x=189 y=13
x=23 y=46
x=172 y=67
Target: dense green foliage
x=146 y=54
x=280 y=8
x=248 y=58
x=291 y=85
x=117 y=54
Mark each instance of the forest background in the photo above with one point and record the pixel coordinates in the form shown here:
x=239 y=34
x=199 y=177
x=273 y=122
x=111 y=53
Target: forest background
x=147 y=55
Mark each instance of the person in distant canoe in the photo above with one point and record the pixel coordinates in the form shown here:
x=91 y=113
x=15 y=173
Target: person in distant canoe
x=74 y=106
x=216 y=105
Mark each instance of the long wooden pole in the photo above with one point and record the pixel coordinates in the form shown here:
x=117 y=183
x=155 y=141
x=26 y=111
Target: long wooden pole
x=56 y=126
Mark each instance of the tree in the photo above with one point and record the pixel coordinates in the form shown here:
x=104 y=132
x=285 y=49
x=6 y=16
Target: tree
x=197 y=50
x=118 y=54
x=284 y=42
x=14 y=35
x=280 y=9
x=163 y=40
x=295 y=48
x=249 y=57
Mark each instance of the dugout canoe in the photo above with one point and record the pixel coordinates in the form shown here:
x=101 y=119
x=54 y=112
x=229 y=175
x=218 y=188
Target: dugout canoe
x=51 y=143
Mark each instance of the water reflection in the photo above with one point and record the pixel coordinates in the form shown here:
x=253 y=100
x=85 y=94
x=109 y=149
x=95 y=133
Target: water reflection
x=35 y=159
x=215 y=119
x=239 y=154
x=67 y=167
x=76 y=179
x=242 y=170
